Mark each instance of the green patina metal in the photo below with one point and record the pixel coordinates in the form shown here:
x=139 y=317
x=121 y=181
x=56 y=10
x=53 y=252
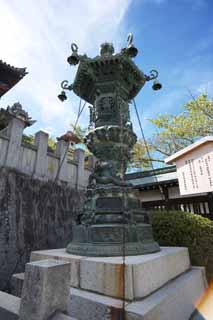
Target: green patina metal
x=112 y=212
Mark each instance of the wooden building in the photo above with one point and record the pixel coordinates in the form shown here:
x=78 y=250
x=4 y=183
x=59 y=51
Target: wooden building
x=159 y=189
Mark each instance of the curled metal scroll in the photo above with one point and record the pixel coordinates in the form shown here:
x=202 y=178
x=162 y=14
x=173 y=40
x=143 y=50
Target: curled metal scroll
x=65 y=85
x=153 y=75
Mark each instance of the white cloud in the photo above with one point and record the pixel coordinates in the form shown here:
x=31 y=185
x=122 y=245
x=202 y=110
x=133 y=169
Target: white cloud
x=38 y=34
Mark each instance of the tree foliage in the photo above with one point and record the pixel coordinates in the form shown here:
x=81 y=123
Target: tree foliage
x=79 y=131
x=178 y=131
x=141 y=157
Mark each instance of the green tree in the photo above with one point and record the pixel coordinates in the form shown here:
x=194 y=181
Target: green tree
x=79 y=131
x=141 y=158
x=175 y=132
x=51 y=143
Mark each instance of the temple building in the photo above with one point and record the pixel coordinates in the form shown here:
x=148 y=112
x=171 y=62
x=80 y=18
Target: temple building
x=159 y=189
x=9 y=76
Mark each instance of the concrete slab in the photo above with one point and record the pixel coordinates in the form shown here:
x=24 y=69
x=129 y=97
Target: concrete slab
x=9 y=306
x=143 y=274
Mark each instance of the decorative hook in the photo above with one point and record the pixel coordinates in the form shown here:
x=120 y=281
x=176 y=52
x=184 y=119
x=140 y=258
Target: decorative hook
x=65 y=85
x=129 y=39
x=153 y=75
x=74 y=47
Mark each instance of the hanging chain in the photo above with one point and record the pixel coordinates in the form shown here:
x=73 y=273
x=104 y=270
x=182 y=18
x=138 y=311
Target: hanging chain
x=147 y=147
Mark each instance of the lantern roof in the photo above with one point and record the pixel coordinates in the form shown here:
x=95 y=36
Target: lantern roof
x=107 y=70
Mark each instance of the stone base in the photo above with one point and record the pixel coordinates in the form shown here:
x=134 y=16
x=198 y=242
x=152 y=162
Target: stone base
x=176 y=300
x=143 y=274
x=159 y=286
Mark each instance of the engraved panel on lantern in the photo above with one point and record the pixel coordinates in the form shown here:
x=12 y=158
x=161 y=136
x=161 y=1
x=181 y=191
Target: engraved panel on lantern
x=109 y=203
x=106 y=112
x=107 y=234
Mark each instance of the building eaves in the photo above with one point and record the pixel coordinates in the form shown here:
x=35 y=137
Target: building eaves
x=20 y=71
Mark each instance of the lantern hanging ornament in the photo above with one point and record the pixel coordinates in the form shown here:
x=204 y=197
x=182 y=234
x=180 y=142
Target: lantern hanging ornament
x=74 y=58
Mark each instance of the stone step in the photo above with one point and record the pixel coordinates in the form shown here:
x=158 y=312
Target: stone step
x=176 y=300
x=9 y=309
x=9 y=306
x=88 y=305
x=143 y=274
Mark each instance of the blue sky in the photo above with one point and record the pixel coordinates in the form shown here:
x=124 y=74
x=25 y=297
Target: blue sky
x=173 y=36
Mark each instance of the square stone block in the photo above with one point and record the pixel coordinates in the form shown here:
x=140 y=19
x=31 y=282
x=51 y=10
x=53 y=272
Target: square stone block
x=61 y=254
x=45 y=290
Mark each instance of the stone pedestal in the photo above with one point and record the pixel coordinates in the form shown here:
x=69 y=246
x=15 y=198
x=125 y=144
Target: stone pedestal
x=45 y=290
x=159 y=286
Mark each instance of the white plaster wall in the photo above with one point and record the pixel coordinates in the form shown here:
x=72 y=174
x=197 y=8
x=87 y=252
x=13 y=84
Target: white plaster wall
x=174 y=192
x=151 y=195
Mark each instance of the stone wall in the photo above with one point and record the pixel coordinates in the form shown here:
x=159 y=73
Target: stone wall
x=34 y=214
x=36 y=161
